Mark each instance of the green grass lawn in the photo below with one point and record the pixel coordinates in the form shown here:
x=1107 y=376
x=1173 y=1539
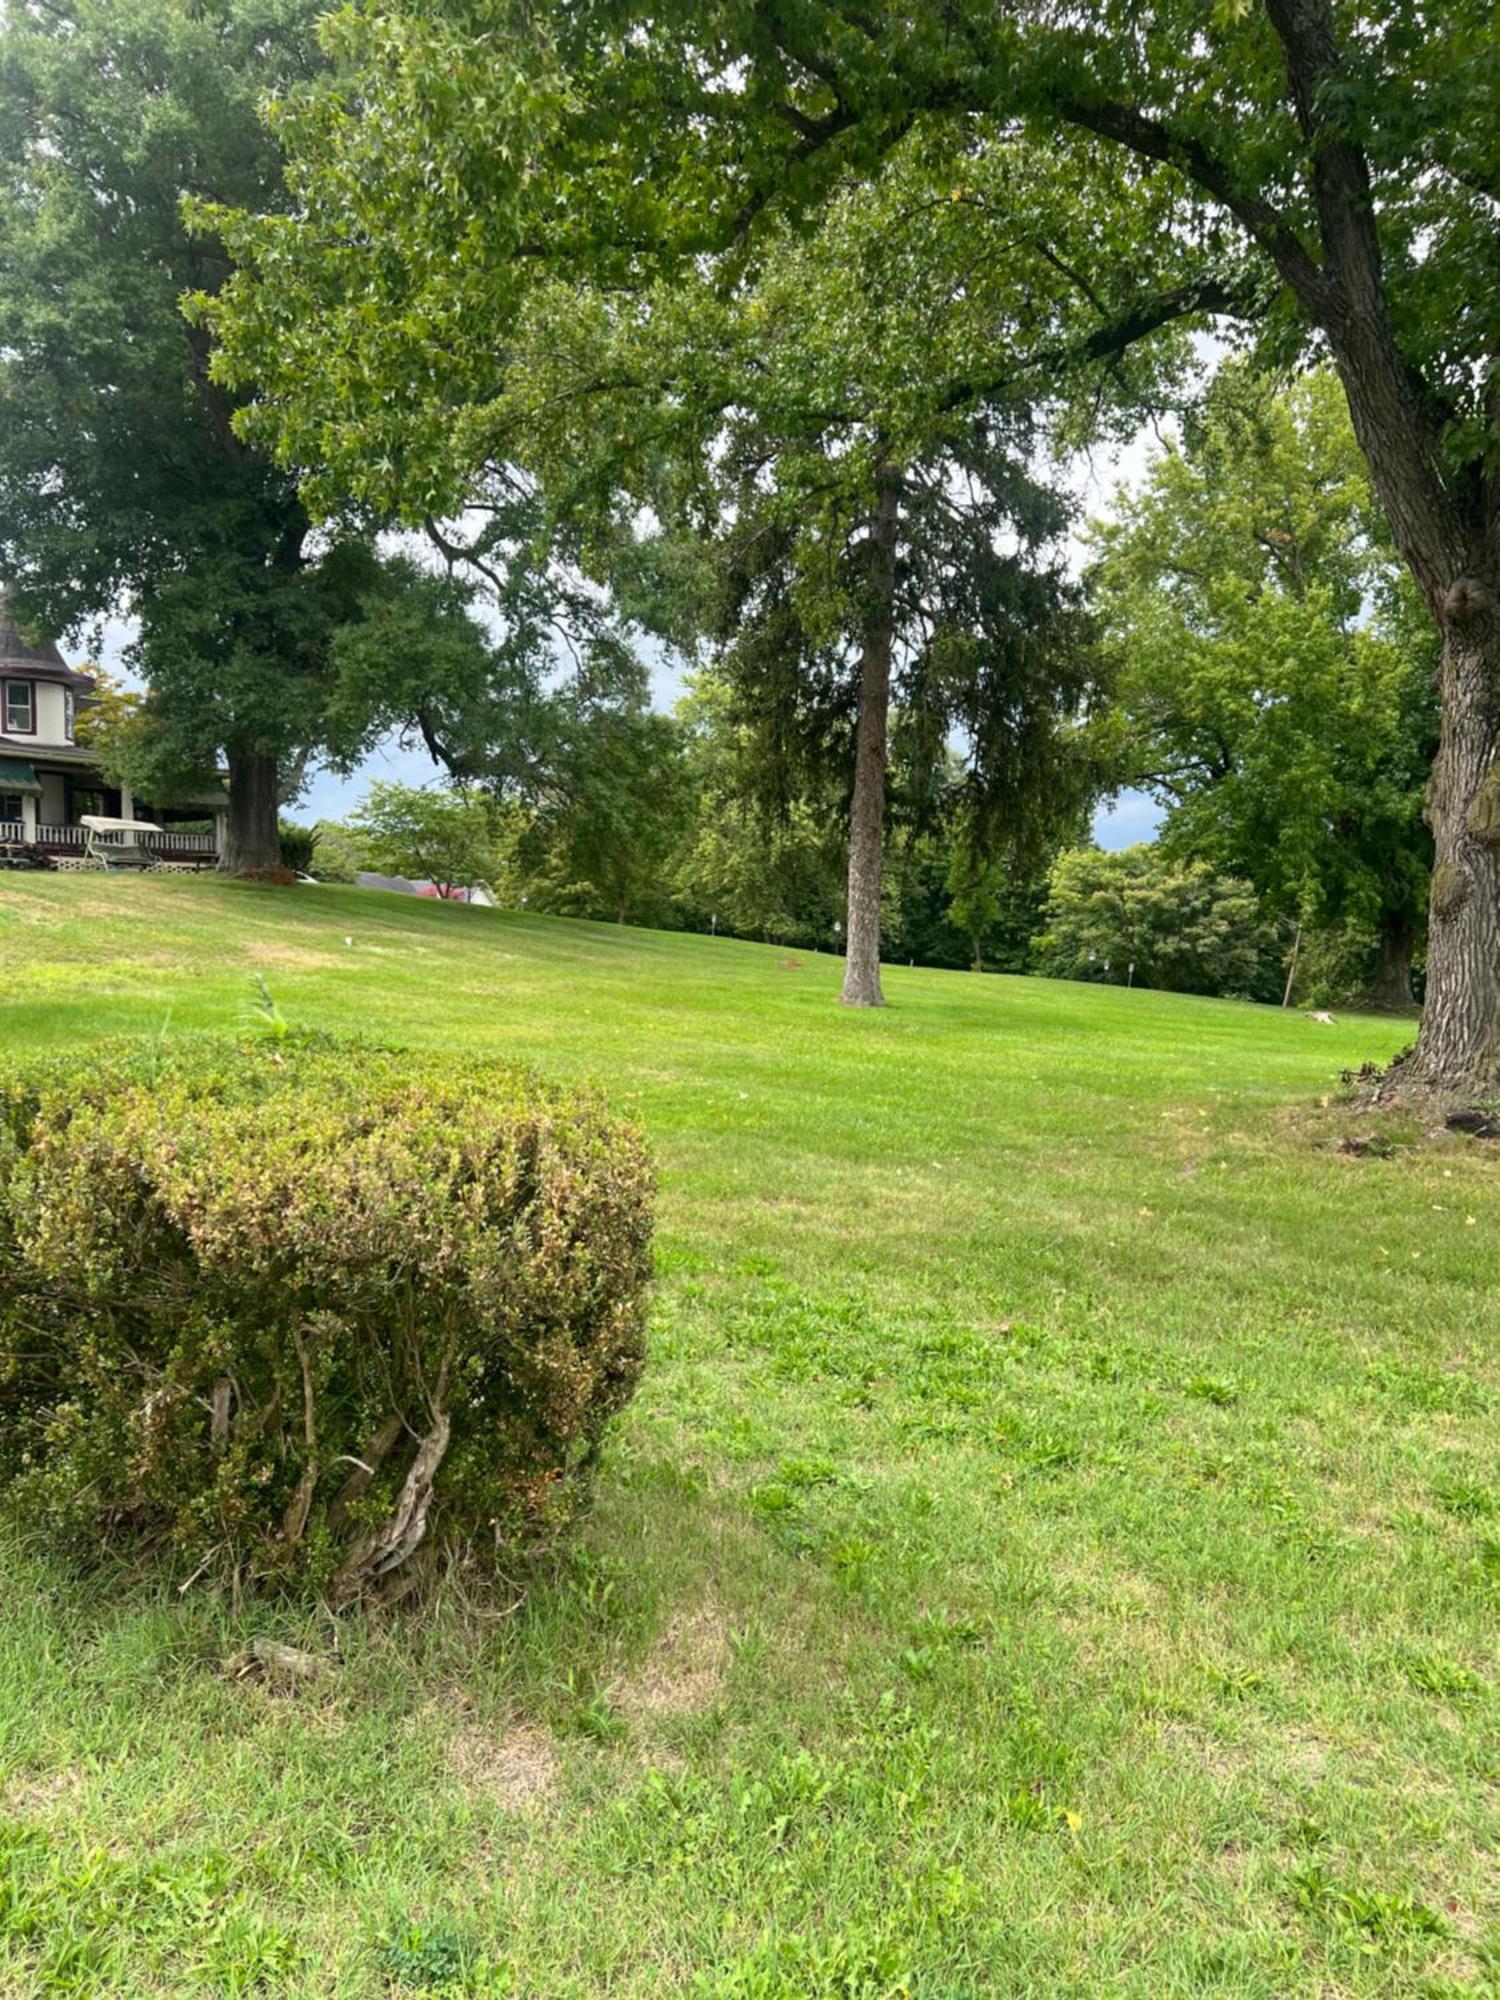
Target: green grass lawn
x=1055 y=1549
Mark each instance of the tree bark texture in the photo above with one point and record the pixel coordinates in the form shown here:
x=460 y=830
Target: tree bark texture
x=1458 y=1049
x=867 y=810
x=252 y=844
x=1445 y=529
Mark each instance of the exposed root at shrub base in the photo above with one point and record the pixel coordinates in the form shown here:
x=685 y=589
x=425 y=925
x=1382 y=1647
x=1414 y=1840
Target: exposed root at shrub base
x=399 y=1535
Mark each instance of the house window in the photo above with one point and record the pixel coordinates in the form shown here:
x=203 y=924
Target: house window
x=10 y=806
x=20 y=708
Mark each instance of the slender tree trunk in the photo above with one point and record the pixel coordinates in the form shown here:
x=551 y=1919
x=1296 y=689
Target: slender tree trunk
x=252 y=844
x=1458 y=1048
x=867 y=811
x=1391 y=986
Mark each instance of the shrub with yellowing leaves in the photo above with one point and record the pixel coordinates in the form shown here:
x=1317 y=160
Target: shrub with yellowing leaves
x=311 y=1313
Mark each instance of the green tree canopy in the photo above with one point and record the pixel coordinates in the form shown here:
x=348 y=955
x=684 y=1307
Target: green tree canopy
x=438 y=834
x=776 y=875
x=121 y=477
x=1276 y=683
x=123 y=482
x=1142 y=917
x=605 y=827
x=841 y=483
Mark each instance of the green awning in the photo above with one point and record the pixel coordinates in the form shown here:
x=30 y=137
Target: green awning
x=16 y=775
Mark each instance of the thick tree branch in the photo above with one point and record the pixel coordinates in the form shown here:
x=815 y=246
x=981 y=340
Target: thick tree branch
x=1153 y=139
x=1394 y=411
x=1203 y=298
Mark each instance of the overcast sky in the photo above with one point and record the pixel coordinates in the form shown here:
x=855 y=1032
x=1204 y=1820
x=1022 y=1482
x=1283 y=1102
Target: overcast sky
x=1132 y=818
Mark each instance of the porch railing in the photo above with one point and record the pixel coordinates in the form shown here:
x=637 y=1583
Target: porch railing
x=74 y=839
x=183 y=843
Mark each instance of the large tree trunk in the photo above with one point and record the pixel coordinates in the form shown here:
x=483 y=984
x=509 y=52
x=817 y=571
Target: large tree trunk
x=1391 y=985
x=867 y=810
x=1458 y=1048
x=1444 y=526
x=252 y=844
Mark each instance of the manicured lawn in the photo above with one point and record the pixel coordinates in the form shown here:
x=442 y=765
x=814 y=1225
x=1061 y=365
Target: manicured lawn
x=1055 y=1550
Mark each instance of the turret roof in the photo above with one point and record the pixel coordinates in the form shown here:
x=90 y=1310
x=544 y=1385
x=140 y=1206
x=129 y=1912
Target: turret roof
x=36 y=659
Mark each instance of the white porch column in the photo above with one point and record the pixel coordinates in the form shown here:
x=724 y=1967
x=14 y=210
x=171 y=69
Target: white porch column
x=127 y=803
x=28 y=817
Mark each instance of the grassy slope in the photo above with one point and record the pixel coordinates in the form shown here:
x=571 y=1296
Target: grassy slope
x=1054 y=1550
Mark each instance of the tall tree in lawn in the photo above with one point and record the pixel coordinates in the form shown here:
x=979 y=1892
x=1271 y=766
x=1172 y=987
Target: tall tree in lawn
x=888 y=562
x=858 y=643
x=836 y=418
x=1337 y=167
x=1276 y=685
x=122 y=481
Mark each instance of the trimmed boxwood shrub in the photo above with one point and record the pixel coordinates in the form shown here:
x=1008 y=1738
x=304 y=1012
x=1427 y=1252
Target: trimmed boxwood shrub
x=311 y=1313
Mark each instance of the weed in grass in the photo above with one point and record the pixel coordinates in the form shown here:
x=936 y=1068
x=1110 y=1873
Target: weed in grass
x=1434 y=1674
x=1219 y=1390
x=1382 y=1916
x=1466 y=1502
x=425 y=1954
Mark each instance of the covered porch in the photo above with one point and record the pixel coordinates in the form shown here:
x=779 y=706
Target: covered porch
x=43 y=801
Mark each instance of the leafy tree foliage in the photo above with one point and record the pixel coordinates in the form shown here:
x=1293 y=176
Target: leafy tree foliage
x=601 y=836
x=435 y=834
x=775 y=875
x=1139 y=916
x=122 y=479
x=835 y=426
x=1276 y=683
x=120 y=473
x=339 y=852
x=298 y=845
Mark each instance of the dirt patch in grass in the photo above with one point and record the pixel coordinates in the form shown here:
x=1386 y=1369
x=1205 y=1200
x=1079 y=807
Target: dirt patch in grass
x=518 y=1769
x=38 y=910
x=289 y=957
x=36 y=1798
x=684 y=1671
x=1195 y=1748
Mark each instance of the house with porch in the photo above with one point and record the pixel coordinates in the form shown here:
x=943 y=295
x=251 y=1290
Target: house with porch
x=49 y=781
